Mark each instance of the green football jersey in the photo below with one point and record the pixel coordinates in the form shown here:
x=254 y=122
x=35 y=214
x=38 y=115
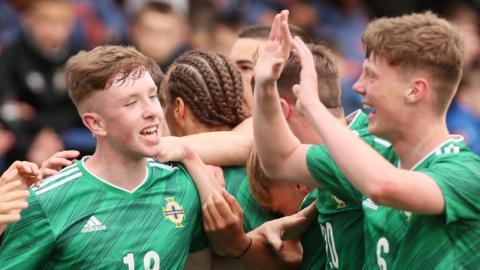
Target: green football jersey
x=237 y=184
x=450 y=240
x=314 y=256
x=341 y=214
x=76 y=220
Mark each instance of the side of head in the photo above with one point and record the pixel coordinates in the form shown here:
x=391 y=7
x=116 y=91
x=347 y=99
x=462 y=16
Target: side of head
x=203 y=91
x=329 y=90
x=50 y=22
x=419 y=46
x=158 y=30
x=273 y=196
x=244 y=50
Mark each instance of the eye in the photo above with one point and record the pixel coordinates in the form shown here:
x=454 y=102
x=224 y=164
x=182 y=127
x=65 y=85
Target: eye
x=245 y=68
x=130 y=103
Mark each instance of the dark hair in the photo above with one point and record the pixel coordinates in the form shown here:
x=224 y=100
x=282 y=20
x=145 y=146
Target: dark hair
x=327 y=73
x=211 y=86
x=263 y=31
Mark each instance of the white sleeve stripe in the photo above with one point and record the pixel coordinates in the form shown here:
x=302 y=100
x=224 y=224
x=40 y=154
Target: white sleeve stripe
x=55 y=177
x=59 y=183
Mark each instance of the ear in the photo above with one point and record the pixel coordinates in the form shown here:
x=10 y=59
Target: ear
x=285 y=108
x=94 y=123
x=179 y=109
x=418 y=91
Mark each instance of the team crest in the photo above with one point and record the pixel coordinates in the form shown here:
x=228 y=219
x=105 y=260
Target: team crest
x=174 y=212
x=340 y=203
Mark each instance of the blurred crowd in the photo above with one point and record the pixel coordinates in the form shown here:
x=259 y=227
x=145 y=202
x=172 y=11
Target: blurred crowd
x=37 y=118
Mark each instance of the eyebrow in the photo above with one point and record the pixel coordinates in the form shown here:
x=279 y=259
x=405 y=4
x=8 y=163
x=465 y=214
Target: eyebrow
x=243 y=61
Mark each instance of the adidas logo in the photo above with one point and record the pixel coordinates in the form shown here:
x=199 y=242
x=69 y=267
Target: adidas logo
x=92 y=225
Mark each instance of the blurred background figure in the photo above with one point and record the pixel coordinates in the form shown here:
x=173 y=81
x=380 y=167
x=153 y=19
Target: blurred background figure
x=35 y=104
x=159 y=29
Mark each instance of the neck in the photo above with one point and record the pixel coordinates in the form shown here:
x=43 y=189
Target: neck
x=418 y=141
x=117 y=168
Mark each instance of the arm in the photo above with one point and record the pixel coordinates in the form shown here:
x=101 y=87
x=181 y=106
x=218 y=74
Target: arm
x=27 y=244
x=223 y=222
x=281 y=154
x=221 y=148
x=370 y=173
x=201 y=260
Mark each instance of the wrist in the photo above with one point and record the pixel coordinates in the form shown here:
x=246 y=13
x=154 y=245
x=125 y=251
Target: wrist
x=246 y=248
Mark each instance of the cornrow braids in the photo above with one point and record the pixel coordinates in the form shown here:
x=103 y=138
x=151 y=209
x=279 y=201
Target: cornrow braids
x=211 y=86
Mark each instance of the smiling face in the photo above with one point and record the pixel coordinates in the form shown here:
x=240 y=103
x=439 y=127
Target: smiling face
x=383 y=89
x=130 y=114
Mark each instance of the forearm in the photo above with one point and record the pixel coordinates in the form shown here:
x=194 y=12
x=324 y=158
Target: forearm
x=200 y=174
x=222 y=148
x=261 y=256
x=274 y=140
x=366 y=169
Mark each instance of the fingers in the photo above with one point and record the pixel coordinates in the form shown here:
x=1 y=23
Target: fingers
x=274 y=239
x=9 y=218
x=274 y=29
x=234 y=206
x=15 y=185
x=296 y=90
x=15 y=195
x=7 y=207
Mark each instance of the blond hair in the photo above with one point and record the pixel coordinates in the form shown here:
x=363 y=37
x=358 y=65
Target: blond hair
x=420 y=41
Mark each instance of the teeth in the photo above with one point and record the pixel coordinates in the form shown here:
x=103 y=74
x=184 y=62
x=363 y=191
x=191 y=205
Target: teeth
x=148 y=131
x=368 y=109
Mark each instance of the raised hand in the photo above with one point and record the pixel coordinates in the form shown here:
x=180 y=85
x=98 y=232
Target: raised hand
x=307 y=91
x=57 y=161
x=273 y=54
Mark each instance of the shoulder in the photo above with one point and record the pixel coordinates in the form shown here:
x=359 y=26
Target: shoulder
x=57 y=182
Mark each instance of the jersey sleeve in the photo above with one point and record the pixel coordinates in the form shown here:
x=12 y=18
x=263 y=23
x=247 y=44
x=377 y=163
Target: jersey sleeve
x=326 y=172
x=199 y=239
x=459 y=181
x=28 y=242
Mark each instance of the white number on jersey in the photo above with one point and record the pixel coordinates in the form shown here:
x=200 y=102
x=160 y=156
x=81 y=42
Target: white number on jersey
x=382 y=247
x=150 y=258
x=327 y=232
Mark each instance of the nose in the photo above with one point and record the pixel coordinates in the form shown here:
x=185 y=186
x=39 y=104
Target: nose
x=152 y=109
x=359 y=87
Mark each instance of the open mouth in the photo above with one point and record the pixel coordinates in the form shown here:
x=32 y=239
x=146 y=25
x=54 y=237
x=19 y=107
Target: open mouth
x=368 y=109
x=148 y=131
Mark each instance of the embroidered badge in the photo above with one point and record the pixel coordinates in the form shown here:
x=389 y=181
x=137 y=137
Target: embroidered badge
x=174 y=212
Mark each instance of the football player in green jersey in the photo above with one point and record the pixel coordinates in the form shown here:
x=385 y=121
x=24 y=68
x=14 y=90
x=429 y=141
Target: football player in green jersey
x=117 y=208
x=340 y=217
x=218 y=104
x=411 y=72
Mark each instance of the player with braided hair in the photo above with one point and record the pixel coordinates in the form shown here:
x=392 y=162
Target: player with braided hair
x=211 y=88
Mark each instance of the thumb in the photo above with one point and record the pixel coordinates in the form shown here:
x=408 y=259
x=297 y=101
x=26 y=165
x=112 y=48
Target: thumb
x=274 y=240
x=296 y=89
